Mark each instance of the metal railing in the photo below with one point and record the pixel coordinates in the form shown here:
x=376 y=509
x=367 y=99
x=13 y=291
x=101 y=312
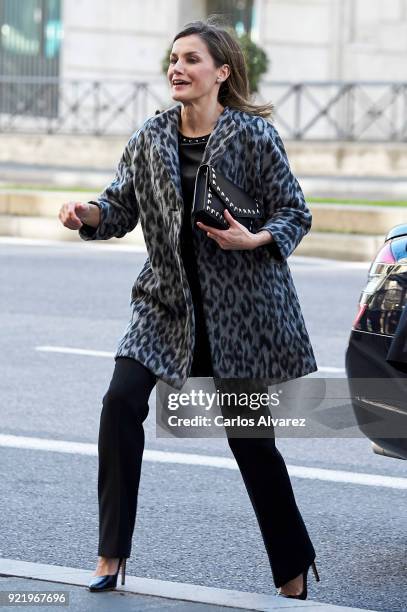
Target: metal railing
x=53 y=106
x=367 y=111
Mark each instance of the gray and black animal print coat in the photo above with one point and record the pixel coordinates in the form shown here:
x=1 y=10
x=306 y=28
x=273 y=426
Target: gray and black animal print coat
x=252 y=313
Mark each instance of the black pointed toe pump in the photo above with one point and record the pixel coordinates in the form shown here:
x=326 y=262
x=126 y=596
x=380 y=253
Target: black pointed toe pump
x=108 y=582
x=304 y=593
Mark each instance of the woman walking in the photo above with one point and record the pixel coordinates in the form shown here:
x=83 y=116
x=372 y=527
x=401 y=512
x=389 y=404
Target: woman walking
x=208 y=302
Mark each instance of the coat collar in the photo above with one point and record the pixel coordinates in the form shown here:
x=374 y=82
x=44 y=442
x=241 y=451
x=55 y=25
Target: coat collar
x=164 y=130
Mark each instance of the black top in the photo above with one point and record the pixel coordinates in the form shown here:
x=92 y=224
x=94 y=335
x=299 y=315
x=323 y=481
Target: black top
x=190 y=155
x=191 y=151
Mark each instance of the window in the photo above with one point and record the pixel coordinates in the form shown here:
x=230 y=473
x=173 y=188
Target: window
x=31 y=34
x=30 y=42
x=239 y=13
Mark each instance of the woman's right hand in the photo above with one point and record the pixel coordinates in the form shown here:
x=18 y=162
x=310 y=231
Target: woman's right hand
x=72 y=214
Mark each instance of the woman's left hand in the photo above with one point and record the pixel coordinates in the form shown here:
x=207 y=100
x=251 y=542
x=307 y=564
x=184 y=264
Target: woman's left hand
x=236 y=237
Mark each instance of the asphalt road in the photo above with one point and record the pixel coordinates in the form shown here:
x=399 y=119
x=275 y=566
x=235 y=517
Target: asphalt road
x=195 y=523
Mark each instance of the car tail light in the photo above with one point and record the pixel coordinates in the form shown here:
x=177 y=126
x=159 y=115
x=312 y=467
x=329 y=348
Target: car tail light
x=382 y=264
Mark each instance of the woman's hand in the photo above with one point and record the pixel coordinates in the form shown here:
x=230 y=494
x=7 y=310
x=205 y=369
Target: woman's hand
x=73 y=214
x=236 y=237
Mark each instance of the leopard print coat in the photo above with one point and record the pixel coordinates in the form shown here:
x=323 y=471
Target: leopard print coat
x=253 y=317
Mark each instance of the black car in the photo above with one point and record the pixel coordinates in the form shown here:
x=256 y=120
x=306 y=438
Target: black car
x=376 y=357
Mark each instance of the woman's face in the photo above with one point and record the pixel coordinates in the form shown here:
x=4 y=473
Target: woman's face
x=191 y=62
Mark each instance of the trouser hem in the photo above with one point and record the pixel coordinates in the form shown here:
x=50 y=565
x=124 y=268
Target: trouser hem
x=283 y=578
x=112 y=554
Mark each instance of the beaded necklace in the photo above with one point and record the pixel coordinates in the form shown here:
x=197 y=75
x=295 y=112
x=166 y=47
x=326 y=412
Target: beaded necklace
x=187 y=140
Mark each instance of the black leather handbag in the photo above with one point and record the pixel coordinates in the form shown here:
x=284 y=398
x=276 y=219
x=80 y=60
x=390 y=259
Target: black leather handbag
x=213 y=193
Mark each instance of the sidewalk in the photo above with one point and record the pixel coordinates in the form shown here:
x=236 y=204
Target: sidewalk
x=140 y=594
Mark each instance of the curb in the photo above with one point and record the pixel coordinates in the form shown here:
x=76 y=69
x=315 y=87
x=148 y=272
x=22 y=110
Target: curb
x=50 y=228
x=331 y=245
x=168 y=590
x=328 y=245
x=342 y=246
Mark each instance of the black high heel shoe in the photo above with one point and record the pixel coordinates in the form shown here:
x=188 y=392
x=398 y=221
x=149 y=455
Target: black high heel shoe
x=304 y=593
x=108 y=582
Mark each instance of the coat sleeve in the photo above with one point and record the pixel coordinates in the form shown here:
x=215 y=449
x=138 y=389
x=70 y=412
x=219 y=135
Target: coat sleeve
x=119 y=209
x=288 y=216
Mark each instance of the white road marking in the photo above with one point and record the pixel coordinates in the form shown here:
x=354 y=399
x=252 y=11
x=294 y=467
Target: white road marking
x=92 y=353
x=73 y=351
x=298 y=471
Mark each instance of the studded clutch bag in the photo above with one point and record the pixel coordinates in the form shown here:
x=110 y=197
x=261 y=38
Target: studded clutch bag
x=213 y=193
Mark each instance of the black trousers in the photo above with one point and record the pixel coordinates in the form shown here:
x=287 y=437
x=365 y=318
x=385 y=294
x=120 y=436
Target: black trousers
x=121 y=445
